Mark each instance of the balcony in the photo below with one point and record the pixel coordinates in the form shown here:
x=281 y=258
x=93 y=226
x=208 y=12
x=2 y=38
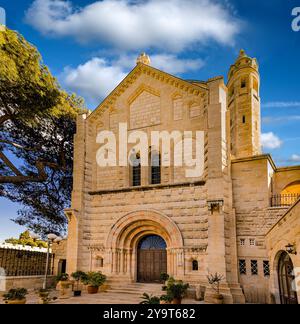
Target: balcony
x=286 y=200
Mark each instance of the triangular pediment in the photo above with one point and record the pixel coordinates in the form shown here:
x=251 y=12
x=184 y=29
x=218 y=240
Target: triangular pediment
x=130 y=79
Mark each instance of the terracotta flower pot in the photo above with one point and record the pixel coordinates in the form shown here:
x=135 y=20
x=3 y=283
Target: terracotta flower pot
x=218 y=299
x=177 y=301
x=92 y=290
x=16 y=301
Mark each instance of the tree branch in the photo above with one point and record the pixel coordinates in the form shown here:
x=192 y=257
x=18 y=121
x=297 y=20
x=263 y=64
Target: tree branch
x=14 y=169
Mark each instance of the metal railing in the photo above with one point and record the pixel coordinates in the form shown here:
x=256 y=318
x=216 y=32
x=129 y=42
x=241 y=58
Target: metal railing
x=17 y=262
x=284 y=200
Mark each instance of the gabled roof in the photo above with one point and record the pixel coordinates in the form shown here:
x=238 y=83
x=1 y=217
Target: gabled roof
x=140 y=68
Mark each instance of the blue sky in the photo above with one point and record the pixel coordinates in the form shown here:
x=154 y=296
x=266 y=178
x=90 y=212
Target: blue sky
x=90 y=46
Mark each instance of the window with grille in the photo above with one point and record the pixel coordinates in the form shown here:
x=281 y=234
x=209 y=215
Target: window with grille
x=195 y=265
x=266 y=266
x=242 y=242
x=252 y=242
x=242 y=266
x=136 y=170
x=155 y=168
x=254 y=268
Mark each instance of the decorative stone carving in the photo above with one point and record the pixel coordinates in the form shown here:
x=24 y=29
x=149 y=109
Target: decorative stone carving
x=215 y=205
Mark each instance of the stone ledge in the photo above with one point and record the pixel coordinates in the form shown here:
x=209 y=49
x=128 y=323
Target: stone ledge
x=147 y=188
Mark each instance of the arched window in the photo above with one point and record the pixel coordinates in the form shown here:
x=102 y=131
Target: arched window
x=99 y=262
x=135 y=161
x=155 y=174
x=195 y=265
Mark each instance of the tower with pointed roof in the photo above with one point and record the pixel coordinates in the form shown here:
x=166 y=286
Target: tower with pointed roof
x=244 y=106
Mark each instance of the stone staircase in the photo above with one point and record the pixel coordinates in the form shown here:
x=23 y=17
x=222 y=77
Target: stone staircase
x=130 y=293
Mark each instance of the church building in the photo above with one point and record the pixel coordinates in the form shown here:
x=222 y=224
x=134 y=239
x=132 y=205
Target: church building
x=240 y=217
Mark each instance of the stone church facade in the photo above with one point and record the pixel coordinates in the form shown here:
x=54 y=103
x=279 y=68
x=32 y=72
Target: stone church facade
x=133 y=222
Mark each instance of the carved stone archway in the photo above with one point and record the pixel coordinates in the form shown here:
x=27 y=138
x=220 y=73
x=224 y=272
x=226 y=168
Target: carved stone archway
x=122 y=241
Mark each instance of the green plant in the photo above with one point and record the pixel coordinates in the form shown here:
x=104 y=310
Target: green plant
x=62 y=277
x=176 y=289
x=149 y=300
x=214 y=280
x=79 y=276
x=94 y=279
x=15 y=294
x=164 y=277
x=166 y=298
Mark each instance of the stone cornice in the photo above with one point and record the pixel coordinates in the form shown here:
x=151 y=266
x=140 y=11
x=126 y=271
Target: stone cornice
x=256 y=158
x=147 y=188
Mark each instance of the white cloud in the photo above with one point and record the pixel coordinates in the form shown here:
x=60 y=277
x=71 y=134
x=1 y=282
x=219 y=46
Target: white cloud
x=126 y=24
x=270 y=141
x=169 y=63
x=281 y=104
x=295 y=158
x=96 y=78
x=280 y=119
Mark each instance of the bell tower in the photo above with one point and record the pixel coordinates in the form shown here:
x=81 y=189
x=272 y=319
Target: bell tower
x=244 y=106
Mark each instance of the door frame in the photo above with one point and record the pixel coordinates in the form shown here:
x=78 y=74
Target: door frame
x=287 y=296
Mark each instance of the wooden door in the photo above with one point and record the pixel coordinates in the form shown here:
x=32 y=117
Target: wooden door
x=152 y=259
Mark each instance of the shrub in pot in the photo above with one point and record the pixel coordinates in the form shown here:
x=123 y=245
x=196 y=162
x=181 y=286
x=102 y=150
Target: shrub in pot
x=166 y=299
x=164 y=277
x=149 y=300
x=214 y=280
x=176 y=289
x=15 y=296
x=44 y=296
x=64 y=285
x=93 y=281
x=78 y=276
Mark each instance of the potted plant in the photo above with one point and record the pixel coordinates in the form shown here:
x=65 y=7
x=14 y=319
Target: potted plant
x=94 y=280
x=15 y=296
x=166 y=299
x=164 y=277
x=149 y=300
x=64 y=285
x=62 y=281
x=44 y=296
x=78 y=276
x=176 y=289
x=214 y=281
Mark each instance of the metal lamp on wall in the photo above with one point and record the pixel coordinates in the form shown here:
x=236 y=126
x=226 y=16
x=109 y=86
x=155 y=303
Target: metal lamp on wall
x=291 y=249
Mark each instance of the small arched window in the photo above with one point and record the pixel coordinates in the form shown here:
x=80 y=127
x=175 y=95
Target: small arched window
x=99 y=262
x=155 y=174
x=195 y=265
x=135 y=161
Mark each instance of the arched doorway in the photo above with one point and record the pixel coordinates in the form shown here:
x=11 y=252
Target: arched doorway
x=286 y=278
x=152 y=258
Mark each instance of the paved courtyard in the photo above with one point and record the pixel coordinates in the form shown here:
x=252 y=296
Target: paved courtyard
x=114 y=296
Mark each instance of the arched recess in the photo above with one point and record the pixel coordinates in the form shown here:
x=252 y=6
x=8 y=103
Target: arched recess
x=124 y=236
x=292 y=188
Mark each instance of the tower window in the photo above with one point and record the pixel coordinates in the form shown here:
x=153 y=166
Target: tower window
x=244 y=119
x=254 y=268
x=136 y=170
x=155 y=168
x=243 y=83
x=242 y=267
x=242 y=242
x=195 y=265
